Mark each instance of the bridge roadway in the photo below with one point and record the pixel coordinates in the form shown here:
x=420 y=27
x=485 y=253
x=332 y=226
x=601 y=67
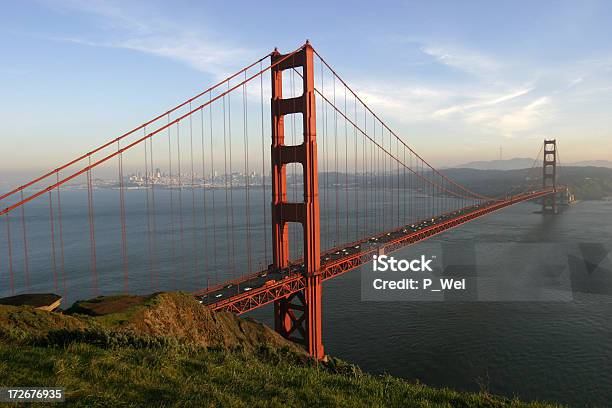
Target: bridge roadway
x=252 y=291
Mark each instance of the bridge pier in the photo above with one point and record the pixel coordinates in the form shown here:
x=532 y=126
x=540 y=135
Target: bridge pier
x=297 y=316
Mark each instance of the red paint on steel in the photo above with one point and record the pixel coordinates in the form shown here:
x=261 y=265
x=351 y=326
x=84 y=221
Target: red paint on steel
x=298 y=314
x=549 y=176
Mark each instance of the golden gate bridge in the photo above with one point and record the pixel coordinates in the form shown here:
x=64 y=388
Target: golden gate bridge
x=262 y=231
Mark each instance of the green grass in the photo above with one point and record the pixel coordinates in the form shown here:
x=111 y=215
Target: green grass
x=100 y=365
x=128 y=305
x=190 y=376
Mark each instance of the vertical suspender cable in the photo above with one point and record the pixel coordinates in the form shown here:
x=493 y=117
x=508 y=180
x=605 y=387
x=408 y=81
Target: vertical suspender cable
x=325 y=153
x=26 y=262
x=410 y=192
x=399 y=219
x=377 y=199
x=357 y=183
x=122 y=219
x=172 y=227
x=194 y=247
x=61 y=237
x=433 y=195
x=246 y=174
x=154 y=265
x=337 y=237
x=204 y=206
x=92 y=234
x=387 y=183
x=404 y=185
x=379 y=184
x=180 y=202
x=346 y=193
x=370 y=160
x=227 y=208
x=9 y=244
x=364 y=169
x=263 y=168
x=231 y=180
x=148 y=210
x=53 y=252
x=386 y=189
x=212 y=176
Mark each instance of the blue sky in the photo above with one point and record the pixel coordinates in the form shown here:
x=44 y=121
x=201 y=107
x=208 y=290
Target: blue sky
x=456 y=79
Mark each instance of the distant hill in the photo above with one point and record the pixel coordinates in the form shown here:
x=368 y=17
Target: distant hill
x=524 y=163
x=586 y=182
x=510 y=164
x=596 y=163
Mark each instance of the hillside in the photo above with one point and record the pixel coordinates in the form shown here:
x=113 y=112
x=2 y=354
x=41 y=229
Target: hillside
x=587 y=183
x=508 y=164
x=167 y=350
x=518 y=163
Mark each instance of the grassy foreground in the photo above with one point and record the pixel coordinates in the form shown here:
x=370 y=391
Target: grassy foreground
x=117 y=357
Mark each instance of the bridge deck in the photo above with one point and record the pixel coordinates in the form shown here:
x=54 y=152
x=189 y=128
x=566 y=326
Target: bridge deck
x=258 y=289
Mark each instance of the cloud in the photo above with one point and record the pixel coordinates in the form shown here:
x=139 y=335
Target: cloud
x=186 y=48
x=482 y=103
x=575 y=82
x=526 y=117
x=109 y=14
x=462 y=59
x=504 y=113
x=511 y=121
x=405 y=101
x=126 y=29
x=499 y=98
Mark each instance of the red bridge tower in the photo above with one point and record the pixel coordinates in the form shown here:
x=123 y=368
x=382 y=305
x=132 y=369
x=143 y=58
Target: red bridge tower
x=549 y=176
x=297 y=316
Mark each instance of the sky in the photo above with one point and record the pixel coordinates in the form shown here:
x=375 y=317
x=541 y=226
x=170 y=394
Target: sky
x=457 y=80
